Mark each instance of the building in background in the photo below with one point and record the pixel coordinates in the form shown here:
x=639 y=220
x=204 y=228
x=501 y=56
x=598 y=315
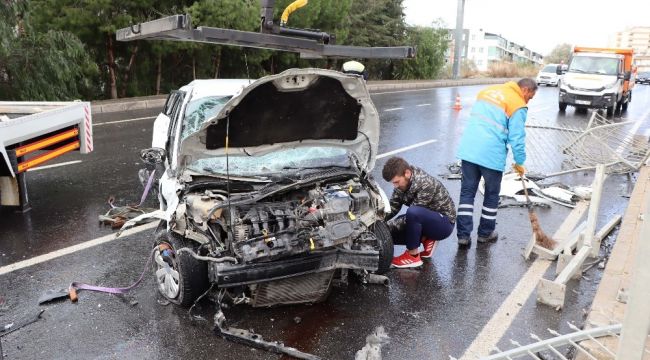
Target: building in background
x=484 y=48
x=637 y=38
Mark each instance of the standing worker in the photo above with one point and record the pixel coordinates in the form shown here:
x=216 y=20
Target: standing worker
x=356 y=68
x=430 y=215
x=496 y=121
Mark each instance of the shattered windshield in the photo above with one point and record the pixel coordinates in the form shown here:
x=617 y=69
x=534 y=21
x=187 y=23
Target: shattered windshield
x=200 y=110
x=284 y=160
x=594 y=65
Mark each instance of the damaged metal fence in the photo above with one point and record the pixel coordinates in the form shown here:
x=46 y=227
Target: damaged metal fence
x=564 y=148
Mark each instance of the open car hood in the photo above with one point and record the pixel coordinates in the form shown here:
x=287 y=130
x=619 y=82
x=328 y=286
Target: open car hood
x=299 y=107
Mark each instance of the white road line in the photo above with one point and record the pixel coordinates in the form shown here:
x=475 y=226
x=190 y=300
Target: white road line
x=54 y=165
x=393 y=109
x=123 y=121
x=424 y=105
x=72 y=249
x=502 y=319
x=396 y=151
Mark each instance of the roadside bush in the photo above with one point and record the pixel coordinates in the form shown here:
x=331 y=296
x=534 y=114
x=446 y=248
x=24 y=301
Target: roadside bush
x=468 y=69
x=511 y=70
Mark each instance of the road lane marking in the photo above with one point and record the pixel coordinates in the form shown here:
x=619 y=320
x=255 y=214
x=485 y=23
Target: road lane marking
x=124 y=121
x=424 y=105
x=503 y=318
x=72 y=249
x=396 y=151
x=394 y=109
x=54 y=165
x=111 y=237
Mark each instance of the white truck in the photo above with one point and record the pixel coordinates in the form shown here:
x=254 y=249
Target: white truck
x=32 y=133
x=598 y=78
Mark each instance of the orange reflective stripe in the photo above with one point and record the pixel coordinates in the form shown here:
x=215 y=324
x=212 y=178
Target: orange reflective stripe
x=48 y=156
x=38 y=145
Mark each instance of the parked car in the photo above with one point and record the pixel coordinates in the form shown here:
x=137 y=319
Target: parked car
x=266 y=191
x=643 y=78
x=548 y=75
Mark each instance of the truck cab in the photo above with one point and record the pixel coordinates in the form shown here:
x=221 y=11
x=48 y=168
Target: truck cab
x=598 y=79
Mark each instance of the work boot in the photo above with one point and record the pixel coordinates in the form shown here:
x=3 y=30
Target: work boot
x=464 y=241
x=494 y=236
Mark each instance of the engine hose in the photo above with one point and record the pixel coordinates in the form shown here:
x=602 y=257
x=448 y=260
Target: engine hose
x=207 y=258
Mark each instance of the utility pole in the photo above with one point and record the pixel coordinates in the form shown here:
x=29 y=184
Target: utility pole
x=458 y=44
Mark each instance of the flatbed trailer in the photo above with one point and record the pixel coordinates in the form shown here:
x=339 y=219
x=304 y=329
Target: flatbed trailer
x=32 y=133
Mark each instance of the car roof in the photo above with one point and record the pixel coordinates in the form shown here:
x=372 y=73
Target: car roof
x=215 y=87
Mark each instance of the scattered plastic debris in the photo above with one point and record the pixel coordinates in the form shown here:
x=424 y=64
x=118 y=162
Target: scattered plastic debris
x=374 y=342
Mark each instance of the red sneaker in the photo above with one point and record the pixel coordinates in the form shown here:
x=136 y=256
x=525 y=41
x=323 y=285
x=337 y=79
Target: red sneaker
x=429 y=248
x=406 y=260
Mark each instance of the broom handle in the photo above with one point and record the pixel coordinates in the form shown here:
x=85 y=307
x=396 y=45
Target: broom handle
x=526 y=192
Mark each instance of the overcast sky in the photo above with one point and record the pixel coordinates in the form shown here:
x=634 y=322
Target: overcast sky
x=538 y=25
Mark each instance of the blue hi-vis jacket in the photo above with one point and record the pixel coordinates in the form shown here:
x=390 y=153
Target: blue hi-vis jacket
x=496 y=121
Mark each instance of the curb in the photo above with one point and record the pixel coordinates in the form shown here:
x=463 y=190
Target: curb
x=158 y=101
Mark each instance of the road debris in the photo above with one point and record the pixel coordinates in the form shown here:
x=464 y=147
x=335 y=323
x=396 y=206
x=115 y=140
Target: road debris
x=374 y=342
x=9 y=328
x=252 y=339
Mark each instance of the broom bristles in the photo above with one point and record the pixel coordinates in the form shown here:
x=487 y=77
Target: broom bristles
x=541 y=238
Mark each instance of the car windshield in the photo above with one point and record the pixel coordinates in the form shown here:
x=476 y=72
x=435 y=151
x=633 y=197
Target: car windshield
x=284 y=160
x=200 y=110
x=549 y=69
x=594 y=65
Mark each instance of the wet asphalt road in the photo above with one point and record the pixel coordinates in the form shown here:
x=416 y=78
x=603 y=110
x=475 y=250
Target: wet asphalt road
x=429 y=313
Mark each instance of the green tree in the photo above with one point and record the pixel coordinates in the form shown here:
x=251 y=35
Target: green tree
x=431 y=45
x=377 y=23
x=560 y=54
x=95 y=22
x=52 y=65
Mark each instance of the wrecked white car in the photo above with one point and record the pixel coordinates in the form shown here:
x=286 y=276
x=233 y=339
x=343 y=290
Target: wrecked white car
x=266 y=193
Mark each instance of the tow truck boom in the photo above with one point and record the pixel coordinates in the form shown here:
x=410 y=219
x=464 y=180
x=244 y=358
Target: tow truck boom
x=309 y=43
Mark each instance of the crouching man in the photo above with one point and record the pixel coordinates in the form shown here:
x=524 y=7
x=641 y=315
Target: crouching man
x=430 y=216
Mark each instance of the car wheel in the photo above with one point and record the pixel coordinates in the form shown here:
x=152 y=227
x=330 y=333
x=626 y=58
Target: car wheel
x=384 y=244
x=610 y=111
x=562 y=106
x=180 y=278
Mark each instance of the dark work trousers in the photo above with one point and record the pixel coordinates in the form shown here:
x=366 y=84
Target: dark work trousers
x=421 y=221
x=469 y=184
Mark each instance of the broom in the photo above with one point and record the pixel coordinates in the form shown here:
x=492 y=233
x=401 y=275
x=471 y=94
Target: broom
x=541 y=238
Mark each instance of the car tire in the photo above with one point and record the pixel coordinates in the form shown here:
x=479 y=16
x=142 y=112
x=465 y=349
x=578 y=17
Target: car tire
x=184 y=278
x=610 y=111
x=385 y=246
x=562 y=106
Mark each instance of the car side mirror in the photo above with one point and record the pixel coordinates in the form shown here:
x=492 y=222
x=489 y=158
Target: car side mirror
x=153 y=155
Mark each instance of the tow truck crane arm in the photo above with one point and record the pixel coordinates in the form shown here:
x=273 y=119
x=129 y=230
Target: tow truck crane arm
x=309 y=43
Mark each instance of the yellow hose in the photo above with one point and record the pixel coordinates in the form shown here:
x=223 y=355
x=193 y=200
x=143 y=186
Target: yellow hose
x=291 y=8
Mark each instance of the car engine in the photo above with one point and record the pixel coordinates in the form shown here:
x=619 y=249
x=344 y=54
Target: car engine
x=297 y=221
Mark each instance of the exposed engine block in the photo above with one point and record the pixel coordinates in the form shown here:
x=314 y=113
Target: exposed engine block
x=304 y=220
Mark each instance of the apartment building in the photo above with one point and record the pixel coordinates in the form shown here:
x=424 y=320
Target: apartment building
x=484 y=48
x=638 y=38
